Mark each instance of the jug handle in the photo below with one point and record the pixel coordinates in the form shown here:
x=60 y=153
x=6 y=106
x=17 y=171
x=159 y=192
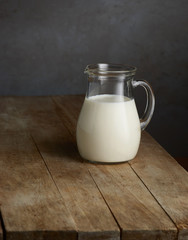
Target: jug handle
x=150 y=103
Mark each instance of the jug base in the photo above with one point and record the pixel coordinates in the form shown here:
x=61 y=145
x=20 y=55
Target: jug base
x=105 y=163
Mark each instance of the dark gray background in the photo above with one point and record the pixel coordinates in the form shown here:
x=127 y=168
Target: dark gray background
x=46 y=44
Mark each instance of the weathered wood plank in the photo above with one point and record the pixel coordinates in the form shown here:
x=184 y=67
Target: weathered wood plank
x=68 y=108
x=26 y=114
x=142 y=217
x=90 y=212
x=162 y=175
x=30 y=202
x=166 y=179
x=43 y=118
x=137 y=212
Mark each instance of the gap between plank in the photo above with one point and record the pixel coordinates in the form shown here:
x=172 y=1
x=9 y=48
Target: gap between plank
x=67 y=128
x=56 y=106
x=72 y=136
x=3 y=226
x=52 y=180
x=106 y=204
x=61 y=194
x=155 y=199
x=45 y=164
x=101 y=192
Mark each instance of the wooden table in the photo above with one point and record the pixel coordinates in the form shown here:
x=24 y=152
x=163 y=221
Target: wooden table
x=48 y=192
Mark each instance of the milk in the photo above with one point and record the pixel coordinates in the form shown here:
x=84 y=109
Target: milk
x=108 y=129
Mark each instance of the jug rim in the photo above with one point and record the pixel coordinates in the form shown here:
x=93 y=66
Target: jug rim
x=110 y=68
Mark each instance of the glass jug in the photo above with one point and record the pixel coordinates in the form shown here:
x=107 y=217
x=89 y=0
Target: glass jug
x=108 y=128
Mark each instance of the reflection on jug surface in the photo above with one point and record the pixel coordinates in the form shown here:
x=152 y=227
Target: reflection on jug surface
x=108 y=128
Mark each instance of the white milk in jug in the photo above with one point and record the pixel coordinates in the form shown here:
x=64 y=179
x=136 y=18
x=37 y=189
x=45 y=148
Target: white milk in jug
x=108 y=129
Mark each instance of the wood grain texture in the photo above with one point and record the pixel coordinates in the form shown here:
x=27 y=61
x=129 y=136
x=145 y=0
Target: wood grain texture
x=166 y=179
x=30 y=202
x=92 y=217
x=136 y=211
x=68 y=108
x=85 y=192
x=163 y=176
x=25 y=114
x=142 y=217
